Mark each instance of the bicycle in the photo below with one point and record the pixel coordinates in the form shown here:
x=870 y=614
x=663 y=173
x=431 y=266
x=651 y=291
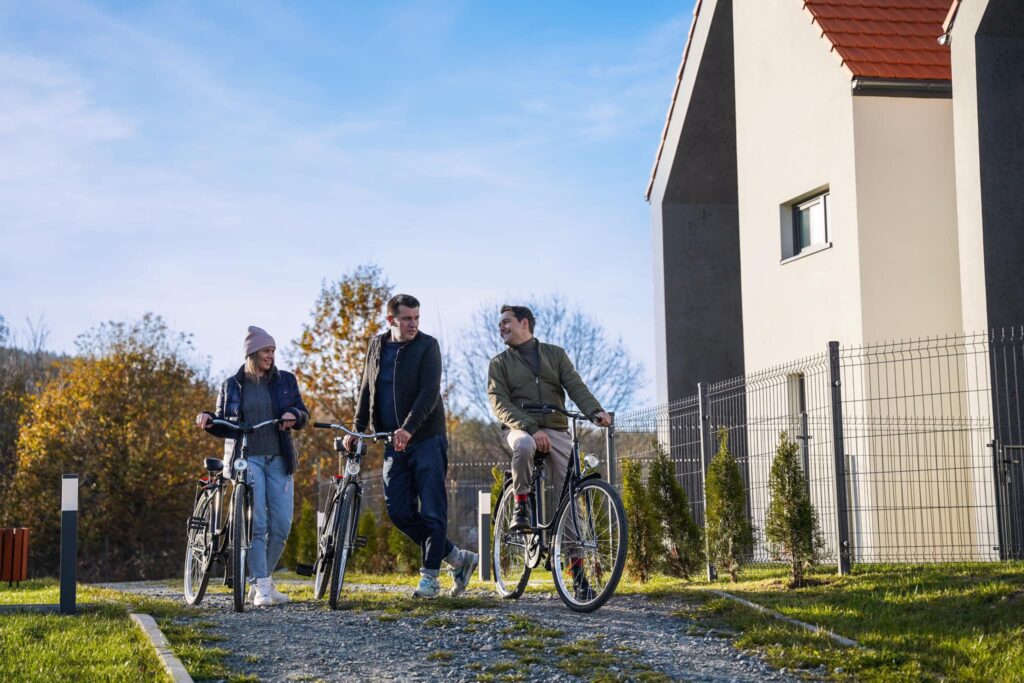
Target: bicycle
x=216 y=537
x=337 y=539
x=588 y=553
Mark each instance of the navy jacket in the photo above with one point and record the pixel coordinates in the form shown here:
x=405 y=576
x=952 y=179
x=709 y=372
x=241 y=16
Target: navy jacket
x=417 y=387
x=284 y=392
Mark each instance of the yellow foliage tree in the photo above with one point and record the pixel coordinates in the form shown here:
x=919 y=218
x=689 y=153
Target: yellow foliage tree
x=329 y=355
x=120 y=415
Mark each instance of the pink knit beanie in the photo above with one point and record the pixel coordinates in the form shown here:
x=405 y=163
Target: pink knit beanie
x=257 y=339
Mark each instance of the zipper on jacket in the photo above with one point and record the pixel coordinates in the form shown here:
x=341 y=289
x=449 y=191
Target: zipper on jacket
x=536 y=379
x=394 y=383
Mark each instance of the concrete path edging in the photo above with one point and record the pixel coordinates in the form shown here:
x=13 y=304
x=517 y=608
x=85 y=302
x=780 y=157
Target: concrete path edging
x=842 y=640
x=171 y=663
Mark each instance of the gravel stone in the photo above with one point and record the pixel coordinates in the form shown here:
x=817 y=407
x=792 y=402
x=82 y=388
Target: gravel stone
x=308 y=641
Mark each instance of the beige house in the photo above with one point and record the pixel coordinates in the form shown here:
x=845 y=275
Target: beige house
x=853 y=171
x=837 y=170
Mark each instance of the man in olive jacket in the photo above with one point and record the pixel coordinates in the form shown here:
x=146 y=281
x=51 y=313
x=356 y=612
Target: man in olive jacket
x=529 y=371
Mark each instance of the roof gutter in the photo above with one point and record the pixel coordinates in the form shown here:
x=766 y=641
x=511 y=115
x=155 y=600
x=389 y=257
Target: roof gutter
x=892 y=87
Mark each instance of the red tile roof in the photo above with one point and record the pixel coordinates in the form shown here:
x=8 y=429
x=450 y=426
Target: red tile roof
x=886 y=38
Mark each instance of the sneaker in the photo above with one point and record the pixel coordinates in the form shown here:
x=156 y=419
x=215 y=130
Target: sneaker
x=580 y=586
x=428 y=588
x=520 y=517
x=279 y=597
x=263 y=598
x=464 y=572
x=252 y=591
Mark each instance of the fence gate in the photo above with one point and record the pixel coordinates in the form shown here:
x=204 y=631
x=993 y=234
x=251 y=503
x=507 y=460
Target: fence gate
x=1006 y=351
x=1009 y=477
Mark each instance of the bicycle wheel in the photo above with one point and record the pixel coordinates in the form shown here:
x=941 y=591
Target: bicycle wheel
x=240 y=522
x=589 y=551
x=511 y=572
x=325 y=545
x=345 y=535
x=199 y=549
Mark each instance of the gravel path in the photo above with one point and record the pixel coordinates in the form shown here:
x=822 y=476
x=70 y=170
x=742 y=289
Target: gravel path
x=305 y=641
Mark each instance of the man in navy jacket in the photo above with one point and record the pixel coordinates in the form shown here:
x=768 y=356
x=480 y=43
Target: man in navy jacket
x=401 y=393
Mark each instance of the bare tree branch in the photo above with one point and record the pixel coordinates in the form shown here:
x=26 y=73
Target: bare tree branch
x=604 y=364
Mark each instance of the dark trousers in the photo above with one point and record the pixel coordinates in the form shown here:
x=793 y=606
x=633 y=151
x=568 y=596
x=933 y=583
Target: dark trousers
x=417 y=498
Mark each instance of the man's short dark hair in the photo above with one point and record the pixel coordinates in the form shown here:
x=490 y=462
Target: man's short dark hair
x=407 y=300
x=521 y=313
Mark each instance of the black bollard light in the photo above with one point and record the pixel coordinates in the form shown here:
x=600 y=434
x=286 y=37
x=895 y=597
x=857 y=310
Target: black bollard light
x=68 y=542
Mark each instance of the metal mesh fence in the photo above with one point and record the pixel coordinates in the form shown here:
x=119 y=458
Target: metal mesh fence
x=912 y=450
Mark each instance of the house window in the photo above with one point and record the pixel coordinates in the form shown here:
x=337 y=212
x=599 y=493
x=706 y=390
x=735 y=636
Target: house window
x=805 y=225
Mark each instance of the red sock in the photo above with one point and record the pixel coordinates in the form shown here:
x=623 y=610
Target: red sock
x=522 y=497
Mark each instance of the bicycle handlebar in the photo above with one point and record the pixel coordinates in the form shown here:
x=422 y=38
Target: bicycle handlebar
x=241 y=427
x=548 y=408
x=376 y=436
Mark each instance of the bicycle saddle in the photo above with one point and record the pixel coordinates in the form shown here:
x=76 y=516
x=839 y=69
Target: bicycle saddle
x=214 y=464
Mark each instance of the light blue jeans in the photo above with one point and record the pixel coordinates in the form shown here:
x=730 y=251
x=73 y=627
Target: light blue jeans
x=273 y=496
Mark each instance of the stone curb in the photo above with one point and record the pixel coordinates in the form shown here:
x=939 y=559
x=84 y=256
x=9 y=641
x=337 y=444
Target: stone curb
x=172 y=664
x=842 y=640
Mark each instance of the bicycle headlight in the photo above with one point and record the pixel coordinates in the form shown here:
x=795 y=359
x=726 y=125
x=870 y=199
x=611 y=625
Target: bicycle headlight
x=351 y=468
x=240 y=465
x=591 y=461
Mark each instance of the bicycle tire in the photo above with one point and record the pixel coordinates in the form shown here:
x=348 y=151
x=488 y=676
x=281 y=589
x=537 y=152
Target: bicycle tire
x=326 y=545
x=239 y=544
x=198 y=550
x=345 y=537
x=508 y=558
x=587 y=568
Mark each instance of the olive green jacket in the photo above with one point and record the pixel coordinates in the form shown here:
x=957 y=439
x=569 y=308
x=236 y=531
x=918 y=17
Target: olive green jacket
x=511 y=383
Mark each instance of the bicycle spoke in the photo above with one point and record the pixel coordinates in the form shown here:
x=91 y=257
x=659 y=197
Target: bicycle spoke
x=589 y=548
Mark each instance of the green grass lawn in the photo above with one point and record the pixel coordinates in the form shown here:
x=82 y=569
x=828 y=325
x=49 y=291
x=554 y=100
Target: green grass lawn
x=101 y=642
x=962 y=622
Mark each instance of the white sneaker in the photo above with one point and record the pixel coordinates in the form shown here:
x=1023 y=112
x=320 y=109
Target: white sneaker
x=264 y=597
x=252 y=591
x=279 y=597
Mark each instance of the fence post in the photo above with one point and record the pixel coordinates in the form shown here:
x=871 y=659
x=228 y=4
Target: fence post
x=707 y=449
x=609 y=449
x=483 y=525
x=842 y=505
x=805 y=451
x=68 y=542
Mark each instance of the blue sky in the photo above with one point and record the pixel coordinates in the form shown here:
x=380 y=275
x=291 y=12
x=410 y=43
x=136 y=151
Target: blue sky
x=215 y=162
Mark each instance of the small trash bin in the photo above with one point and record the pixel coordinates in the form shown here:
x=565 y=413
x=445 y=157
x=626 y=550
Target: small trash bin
x=13 y=555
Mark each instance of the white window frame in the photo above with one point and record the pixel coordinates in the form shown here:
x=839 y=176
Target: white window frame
x=793 y=245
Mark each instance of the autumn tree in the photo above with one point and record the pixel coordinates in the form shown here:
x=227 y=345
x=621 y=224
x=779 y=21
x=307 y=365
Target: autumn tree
x=23 y=370
x=791 y=526
x=121 y=416
x=604 y=363
x=329 y=355
x=730 y=534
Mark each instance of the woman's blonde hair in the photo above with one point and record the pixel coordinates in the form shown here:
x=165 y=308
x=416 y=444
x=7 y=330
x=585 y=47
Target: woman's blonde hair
x=252 y=365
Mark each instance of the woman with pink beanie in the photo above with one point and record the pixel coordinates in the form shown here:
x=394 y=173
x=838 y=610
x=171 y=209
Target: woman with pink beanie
x=260 y=391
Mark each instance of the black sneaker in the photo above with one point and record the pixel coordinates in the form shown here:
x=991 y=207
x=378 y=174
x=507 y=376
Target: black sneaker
x=520 y=517
x=581 y=587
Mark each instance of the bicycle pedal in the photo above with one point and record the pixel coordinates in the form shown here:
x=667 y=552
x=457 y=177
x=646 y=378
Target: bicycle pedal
x=197 y=523
x=304 y=569
x=360 y=541
x=228 y=581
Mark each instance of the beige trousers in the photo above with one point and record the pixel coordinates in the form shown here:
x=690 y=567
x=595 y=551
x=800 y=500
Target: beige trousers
x=556 y=464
